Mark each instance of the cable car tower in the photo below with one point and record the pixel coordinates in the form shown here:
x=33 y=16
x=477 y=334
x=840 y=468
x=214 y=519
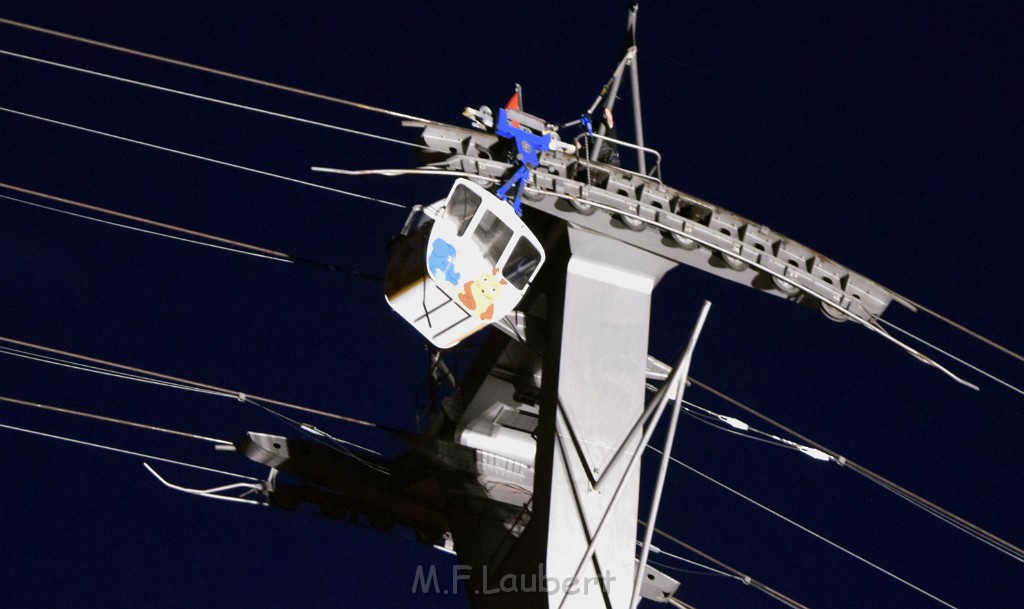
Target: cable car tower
x=530 y=470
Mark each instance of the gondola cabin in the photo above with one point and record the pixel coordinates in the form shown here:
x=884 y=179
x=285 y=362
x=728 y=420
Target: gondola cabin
x=460 y=264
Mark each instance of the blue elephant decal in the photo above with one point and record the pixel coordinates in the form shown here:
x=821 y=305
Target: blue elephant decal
x=441 y=261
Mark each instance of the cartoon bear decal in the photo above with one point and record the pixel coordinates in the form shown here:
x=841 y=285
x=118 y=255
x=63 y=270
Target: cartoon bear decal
x=479 y=296
x=441 y=262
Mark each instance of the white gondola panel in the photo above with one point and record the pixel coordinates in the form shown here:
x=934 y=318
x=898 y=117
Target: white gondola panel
x=468 y=268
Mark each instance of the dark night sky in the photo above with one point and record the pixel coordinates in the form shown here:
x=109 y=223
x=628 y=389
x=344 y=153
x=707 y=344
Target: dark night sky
x=888 y=138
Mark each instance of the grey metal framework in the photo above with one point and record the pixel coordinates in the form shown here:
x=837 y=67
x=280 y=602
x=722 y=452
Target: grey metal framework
x=669 y=223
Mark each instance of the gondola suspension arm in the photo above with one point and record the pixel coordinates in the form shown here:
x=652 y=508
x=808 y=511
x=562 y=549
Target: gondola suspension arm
x=529 y=145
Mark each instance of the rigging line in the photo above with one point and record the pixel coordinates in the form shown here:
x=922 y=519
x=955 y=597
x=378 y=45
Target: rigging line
x=257 y=251
x=215 y=71
x=201 y=158
x=736 y=426
x=220 y=390
x=675 y=602
x=962 y=328
x=391 y=173
x=950 y=355
x=807 y=530
x=933 y=509
x=713 y=571
x=953 y=520
x=318 y=436
x=734 y=573
x=667 y=567
x=742 y=429
x=98 y=417
x=710 y=423
x=322 y=437
x=938 y=511
x=126 y=452
x=213 y=100
x=142 y=230
x=139 y=219
x=95 y=370
x=303 y=428
x=873 y=327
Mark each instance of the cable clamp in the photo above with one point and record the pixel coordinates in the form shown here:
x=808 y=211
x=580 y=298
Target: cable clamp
x=306 y=427
x=734 y=422
x=814 y=453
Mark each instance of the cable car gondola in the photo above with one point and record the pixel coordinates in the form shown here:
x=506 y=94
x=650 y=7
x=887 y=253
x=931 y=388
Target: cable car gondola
x=460 y=264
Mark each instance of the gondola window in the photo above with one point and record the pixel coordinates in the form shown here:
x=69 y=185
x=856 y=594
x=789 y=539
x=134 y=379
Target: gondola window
x=462 y=205
x=521 y=263
x=491 y=236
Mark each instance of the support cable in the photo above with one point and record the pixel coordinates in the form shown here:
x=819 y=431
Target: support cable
x=320 y=436
x=740 y=428
x=214 y=100
x=63 y=363
x=230 y=245
x=950 y=355
x=808 y=531
x=214 y=71
x=748 y=434
x=732 y=572
x=272 y=256
x=116 y=421
x=192 y=384
x=200 y=157
x=964 y=329
x=125 y=452
x=939 y=512
x=324 y=438
x=706 y=570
